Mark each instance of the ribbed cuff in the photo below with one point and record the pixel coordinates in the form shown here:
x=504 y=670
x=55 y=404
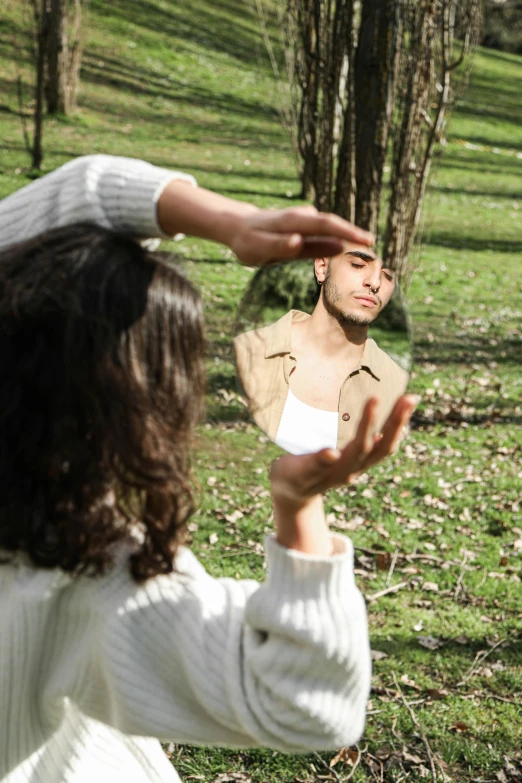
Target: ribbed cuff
x=287 y=568
x=131 y=189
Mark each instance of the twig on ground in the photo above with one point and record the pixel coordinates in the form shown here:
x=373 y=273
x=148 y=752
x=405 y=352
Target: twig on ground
x=480 y=657
x=419 y=728
x=381 y=769
x=367 y=551
x=458 y=586
x=355 y=763
x=325 y=764
x=386 y=591
x=423 y=556
x=515 y=700
x=484 y=577
x=392 y=566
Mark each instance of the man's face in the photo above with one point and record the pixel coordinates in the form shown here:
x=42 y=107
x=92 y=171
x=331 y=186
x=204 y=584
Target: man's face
x=355 y=285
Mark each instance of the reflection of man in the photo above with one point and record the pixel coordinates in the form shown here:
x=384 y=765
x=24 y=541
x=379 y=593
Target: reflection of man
x=307 y=378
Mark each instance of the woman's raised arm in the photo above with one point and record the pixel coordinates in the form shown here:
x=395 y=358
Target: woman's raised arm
x=145 y=201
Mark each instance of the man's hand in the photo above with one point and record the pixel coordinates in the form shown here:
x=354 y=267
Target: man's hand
x=299 y=481
x=270 y=236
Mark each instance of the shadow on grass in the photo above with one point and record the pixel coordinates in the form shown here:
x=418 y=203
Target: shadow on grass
x=468 y=349
x=487 y=164
x=461 y=654
x=473 y=243
x=131 y=81
x=508 y=194
x=218 y=26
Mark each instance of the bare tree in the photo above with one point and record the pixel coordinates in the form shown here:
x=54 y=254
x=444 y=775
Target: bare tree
x=371 y=83
x=55 y=66
x=63 y=54
x=37 y=47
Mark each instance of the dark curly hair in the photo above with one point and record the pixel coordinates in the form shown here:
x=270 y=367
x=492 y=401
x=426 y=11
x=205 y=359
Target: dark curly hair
x=101 y=385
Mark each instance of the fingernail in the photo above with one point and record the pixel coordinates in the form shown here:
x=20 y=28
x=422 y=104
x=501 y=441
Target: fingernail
x=370 y=238
x=294 y=241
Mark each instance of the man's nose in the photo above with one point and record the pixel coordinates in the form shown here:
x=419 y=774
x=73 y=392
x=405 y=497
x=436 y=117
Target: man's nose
x=373 y=279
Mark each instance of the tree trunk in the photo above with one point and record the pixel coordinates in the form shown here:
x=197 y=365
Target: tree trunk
x=64 y=49
x=418 y=75
x=41 y=32
x=345 y=185
x=375 y=79
x=394 y=60
x=57 y=59
x=75 y=55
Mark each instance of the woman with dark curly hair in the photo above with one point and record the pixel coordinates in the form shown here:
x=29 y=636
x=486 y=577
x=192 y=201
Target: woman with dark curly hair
x=111 y=631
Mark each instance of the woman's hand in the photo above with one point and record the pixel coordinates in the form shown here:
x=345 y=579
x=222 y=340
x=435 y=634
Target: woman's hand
x=269 y=236
x=299 y=481
x=258 y=237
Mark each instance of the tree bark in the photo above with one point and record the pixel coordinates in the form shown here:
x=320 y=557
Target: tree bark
x=41 y=34
x=345 y=185
x=64 y=49
x=57 y=58
x=375 y=79
x=375 y=75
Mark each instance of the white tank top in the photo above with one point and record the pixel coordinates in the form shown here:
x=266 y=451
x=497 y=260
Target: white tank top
x=303 y=429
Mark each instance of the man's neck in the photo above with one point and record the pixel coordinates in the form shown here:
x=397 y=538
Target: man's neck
x=323 y=332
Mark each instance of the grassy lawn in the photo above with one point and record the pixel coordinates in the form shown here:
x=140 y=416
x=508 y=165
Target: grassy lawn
x=189 y=86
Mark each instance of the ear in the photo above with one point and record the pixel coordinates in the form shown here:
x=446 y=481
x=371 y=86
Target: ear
x=320 y=269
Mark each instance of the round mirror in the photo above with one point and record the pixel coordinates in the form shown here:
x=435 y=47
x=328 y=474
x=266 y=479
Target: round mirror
x=314 y=340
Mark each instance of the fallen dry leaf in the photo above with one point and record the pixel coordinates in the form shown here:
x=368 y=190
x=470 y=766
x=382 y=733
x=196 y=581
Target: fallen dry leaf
x=429 y=642
x=411 y=758
x=345 y=756
x=437 y=693
x=462 y=639
x=460 y=727
x=409 y=682
x=383 y=561
x=378 y=655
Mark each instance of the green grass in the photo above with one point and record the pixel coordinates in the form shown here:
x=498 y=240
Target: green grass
x=190 y=86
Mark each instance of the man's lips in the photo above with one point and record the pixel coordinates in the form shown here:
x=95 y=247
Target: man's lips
x=367 y=301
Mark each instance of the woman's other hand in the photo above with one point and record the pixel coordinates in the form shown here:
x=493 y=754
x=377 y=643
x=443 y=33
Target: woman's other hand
x=299 y=481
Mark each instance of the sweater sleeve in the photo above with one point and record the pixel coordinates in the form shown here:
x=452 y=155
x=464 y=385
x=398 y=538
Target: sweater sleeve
x=193 y=659
x=113 y=192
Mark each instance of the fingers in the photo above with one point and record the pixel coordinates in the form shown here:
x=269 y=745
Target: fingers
x=308 y=221
x=393 y=429
x=280 y=248
x=301 y=477
x=320 y=247
x=353 y=458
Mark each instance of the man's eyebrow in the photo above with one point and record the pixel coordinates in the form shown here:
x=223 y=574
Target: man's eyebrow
x=361 y=255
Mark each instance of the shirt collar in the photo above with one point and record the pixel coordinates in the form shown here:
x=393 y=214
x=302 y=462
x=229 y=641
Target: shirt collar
x=370 y=358
x=279 y=341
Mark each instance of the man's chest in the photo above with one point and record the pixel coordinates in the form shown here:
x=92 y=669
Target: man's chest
x=318 y=384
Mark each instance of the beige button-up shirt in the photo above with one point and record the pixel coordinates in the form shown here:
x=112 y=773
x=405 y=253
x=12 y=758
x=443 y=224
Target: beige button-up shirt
x=264 y=361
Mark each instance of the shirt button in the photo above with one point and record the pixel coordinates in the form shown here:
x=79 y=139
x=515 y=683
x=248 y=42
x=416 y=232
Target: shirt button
x=346 y=417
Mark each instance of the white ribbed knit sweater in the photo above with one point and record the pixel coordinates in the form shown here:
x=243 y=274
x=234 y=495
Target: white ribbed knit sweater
x=92 y=668
x=117 y=193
